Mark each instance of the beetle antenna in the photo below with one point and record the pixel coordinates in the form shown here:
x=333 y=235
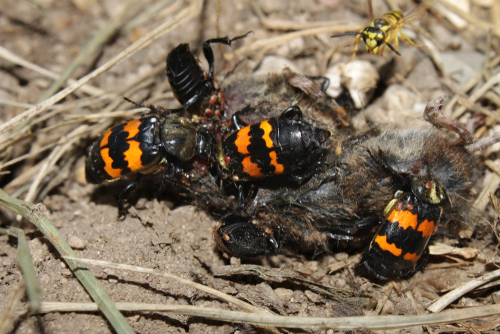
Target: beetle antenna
x=150 y=107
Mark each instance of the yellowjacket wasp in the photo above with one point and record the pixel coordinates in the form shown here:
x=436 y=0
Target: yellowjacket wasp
x=382 y=31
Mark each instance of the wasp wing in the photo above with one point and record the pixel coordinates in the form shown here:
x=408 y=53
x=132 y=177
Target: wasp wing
x=415 y=14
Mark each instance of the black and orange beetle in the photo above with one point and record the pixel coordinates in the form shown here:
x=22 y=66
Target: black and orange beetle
x=276 y=146
x=196 y=90
x=398 y=184
x=149 y=144
x=399 y=248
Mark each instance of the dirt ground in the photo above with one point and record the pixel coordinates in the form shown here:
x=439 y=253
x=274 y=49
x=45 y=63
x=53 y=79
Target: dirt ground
x=161 y=233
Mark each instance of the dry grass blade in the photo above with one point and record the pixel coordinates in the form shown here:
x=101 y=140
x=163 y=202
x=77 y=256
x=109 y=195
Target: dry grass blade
x=26 y=265
x=192 y=11
x=345 y=263
x=287 y=25
x=344 y=323
x=204 y=288
x=491 y=186
x=27 y=155
x=384 y=299
x=15 y=104
x=201 y=287
x=481 y=24
x=113 y=114
x=264 y=44
x=66 y=143
x=147 y=14
x=447 y=299
x=8 y=314
x=477 y=94
x=97 y=40
x=6 y=54
x=34 y=213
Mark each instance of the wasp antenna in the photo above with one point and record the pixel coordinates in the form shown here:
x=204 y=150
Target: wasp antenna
x=390 y=47
x=346 y=34
x=370 y=9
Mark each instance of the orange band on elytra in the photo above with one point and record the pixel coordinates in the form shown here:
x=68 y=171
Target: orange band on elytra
x=243 y=140
x=133 y=156
x=404 y=218
x=267 y=130
x=113 y=172
x=105 y=138
x=413 y=257
x=132 y=128
x=278 y=168
x=426 y=227
x=251 y=168
x=381 y=240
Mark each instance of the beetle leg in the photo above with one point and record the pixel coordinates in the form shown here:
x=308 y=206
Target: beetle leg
x=209 y=54
x=238 y=123
x=125 y=195
x=292 y=113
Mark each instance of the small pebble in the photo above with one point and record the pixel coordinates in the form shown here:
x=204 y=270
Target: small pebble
x=77 y=243
x=284 y=294
x=312 y=266
x=235 y=261
x=388 y=307
x=315 y=298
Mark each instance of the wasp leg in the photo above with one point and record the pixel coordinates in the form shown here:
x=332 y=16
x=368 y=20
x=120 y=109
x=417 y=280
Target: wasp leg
x=292 y=113
x=236 y=235
x=433 y=115
x=209 y=54
x=356 y=45
x=125 y=195
x=406 y=38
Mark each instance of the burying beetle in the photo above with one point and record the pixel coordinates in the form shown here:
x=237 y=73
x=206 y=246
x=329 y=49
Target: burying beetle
x=276 y=146
x=407 y=181
x=158 y=142
x=197 y=91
